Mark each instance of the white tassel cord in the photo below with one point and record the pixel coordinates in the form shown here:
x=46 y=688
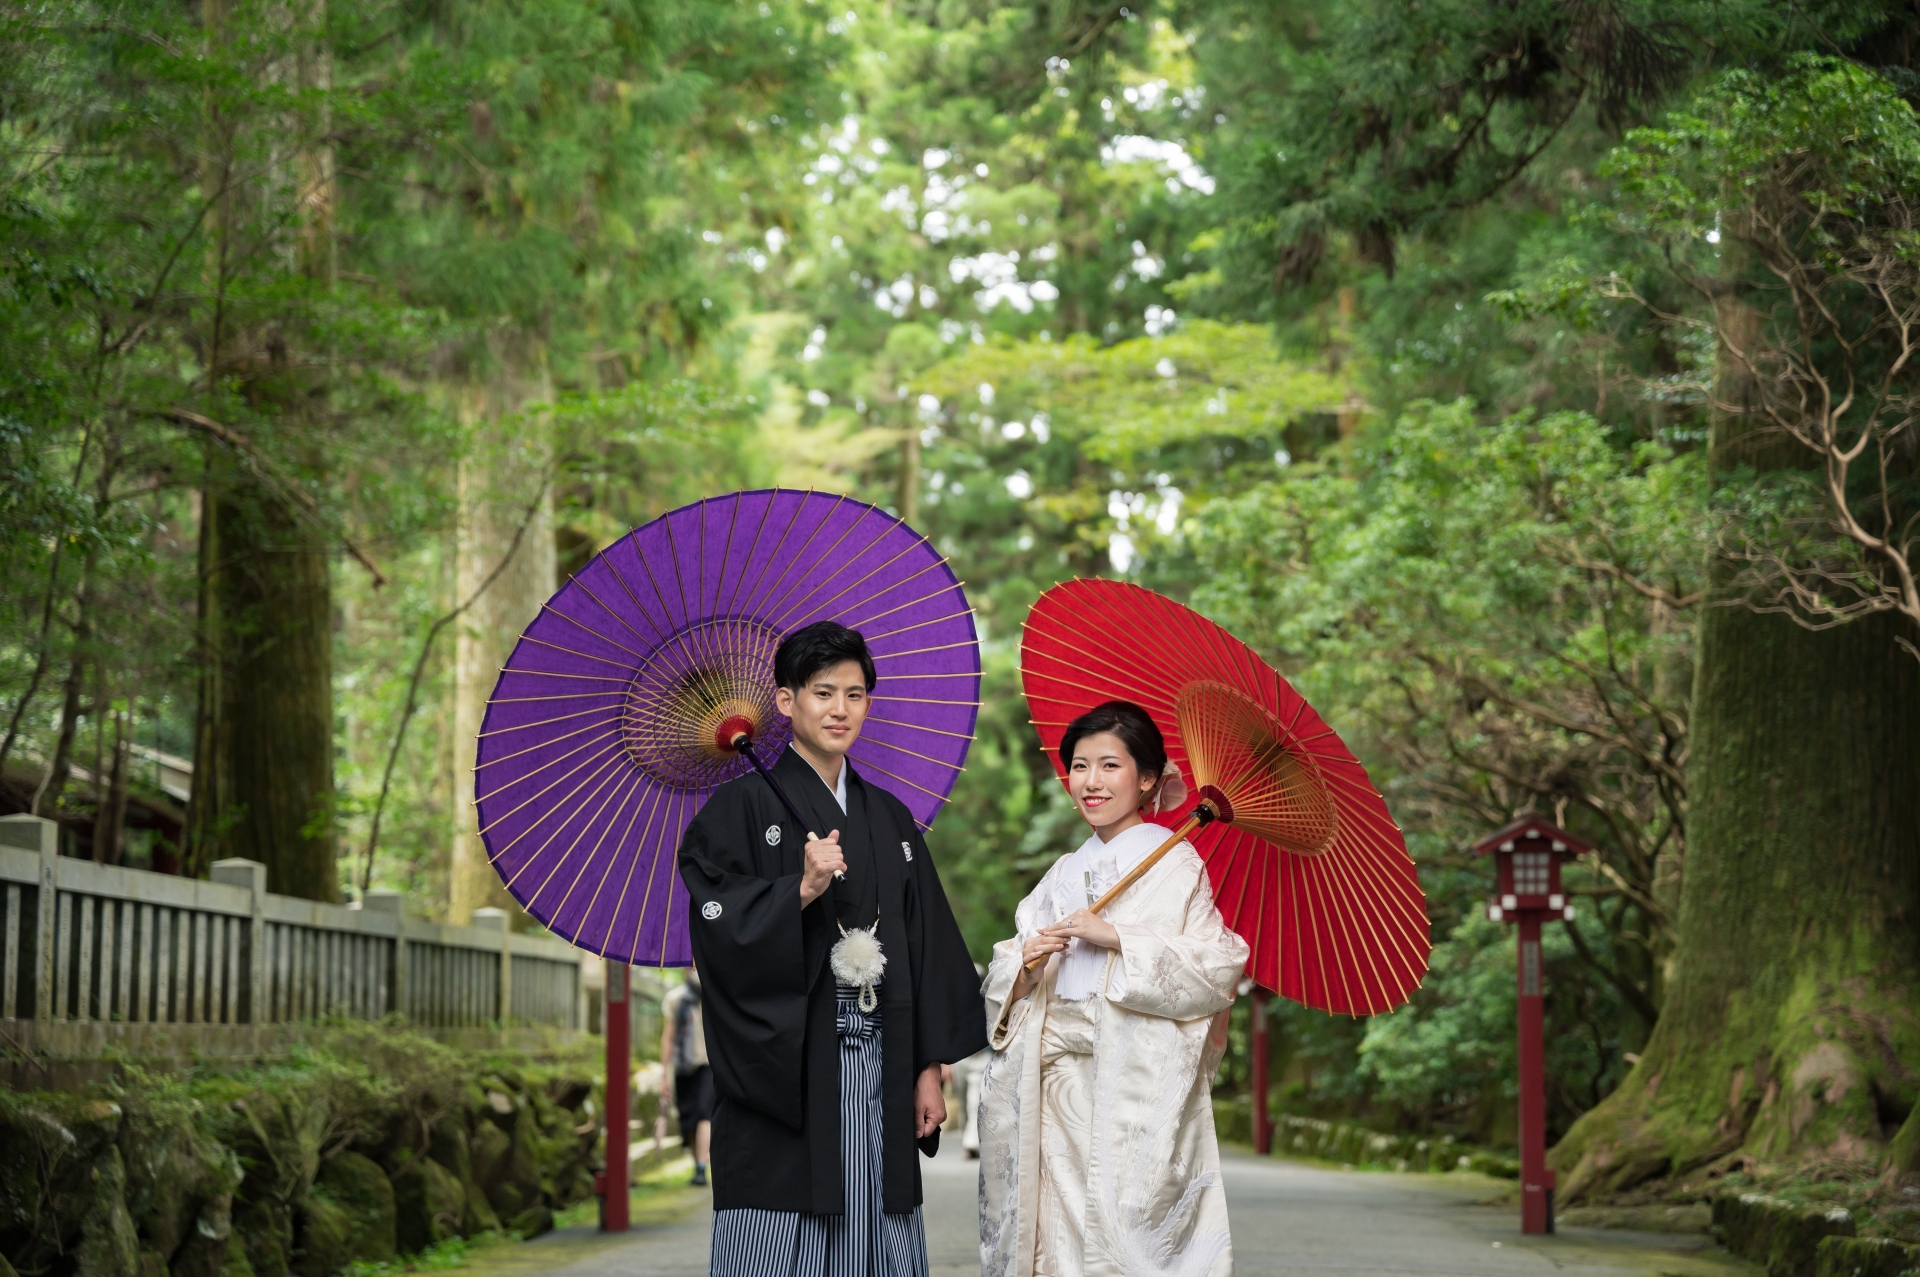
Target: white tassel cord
x=857 y=959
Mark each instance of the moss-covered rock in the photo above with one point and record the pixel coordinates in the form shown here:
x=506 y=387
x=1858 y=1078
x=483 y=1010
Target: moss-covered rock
x=108 y=1245
x=449 y=1145
x=204 y=1252
x=51 y=1151
x=236 y=1264
x=430 y=1204
x=491 y=1150
x=514 y=1183
x=324 y=1238
x=1863 y=1257
x=533 y=1221
x=179 y=1177
x=1781 y=1237
x=265 y=1230
x=361 y=1222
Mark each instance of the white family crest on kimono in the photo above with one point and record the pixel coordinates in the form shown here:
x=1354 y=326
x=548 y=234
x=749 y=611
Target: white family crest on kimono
x=1097 y=1149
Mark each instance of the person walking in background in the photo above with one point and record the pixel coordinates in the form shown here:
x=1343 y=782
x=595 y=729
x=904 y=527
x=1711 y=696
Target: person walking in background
x=686 y=1079
x=1097 y=1150
x=835 y=983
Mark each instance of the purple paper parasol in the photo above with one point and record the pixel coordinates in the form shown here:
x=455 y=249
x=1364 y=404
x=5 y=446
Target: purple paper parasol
x=599 y=743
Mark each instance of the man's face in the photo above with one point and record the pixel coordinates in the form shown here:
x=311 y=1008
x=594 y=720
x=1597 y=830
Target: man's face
x=829 y=711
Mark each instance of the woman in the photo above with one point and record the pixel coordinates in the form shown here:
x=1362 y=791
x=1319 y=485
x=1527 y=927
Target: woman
x=1097 y=1152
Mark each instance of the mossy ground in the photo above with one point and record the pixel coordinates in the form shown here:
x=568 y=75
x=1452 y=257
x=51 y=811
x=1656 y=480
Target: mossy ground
x=1881 y=1207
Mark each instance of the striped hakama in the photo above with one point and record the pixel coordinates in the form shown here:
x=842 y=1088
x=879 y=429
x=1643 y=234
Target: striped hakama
x=865 y=1241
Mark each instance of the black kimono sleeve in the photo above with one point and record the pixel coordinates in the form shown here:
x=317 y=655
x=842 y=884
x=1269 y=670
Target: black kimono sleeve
x=950 y=1018
x=755 y=961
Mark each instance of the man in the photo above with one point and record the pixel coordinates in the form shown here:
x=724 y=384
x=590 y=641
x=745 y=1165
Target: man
x=686 y=1079
x=820 y=1102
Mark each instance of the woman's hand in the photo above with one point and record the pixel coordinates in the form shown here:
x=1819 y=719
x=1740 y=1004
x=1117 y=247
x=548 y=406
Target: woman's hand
x=1036 y=951
x=1085 y=925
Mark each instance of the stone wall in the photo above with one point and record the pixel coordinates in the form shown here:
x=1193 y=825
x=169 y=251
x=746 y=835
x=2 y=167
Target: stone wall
x=381 y=1142
x=1790 y=1239
x=1352 y=1145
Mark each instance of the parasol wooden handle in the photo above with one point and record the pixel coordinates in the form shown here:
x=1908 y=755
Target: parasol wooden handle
x=1200 y=815
x=741 y=743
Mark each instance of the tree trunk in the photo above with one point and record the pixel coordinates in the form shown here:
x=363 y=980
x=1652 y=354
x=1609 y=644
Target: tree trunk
x=43 y=652
x=46 y=801
x=496 y=485
x=210 y=795
x=909 y=495
x=263 y=762
x=268 y=751
x=110 y=825
x=1790 y=1027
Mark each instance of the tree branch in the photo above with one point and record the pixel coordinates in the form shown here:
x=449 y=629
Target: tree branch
x=419 y=671
x=295 y=496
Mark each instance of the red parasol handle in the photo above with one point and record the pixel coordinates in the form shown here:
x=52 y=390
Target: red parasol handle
x=1213 y=805
x=736 y=734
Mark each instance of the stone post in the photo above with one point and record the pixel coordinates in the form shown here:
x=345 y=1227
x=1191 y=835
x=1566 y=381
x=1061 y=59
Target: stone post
x=392 y=905
x=32 y=833
x=251 y=876
x=497 y=919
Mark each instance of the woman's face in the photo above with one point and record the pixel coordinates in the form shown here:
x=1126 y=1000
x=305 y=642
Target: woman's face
x=1105 y=782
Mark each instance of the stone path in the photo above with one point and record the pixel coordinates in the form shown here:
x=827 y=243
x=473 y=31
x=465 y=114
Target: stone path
x=1288 y=1217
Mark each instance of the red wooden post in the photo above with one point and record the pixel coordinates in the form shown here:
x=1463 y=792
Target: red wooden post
x=1262 y=1124
x=1536 y=1206
x=618 y=1017
x=1527 y=857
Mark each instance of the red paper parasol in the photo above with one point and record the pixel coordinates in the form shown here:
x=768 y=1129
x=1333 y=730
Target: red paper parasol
x=1306 y=863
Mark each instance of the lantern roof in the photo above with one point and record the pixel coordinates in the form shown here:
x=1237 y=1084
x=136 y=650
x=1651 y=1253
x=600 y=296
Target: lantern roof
x=1531 y=827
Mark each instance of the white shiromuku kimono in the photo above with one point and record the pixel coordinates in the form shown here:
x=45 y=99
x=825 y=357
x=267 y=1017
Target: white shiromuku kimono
x=1097 y=1150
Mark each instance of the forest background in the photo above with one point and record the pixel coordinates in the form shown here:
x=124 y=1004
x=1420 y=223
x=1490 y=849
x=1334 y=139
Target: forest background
x=1529 y=382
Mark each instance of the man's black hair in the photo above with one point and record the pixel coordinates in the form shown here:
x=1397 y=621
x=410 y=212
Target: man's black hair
x=1133 y=725
x=820 y=646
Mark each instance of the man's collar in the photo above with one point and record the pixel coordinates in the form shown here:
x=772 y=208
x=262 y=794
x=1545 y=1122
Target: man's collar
x=792 y=760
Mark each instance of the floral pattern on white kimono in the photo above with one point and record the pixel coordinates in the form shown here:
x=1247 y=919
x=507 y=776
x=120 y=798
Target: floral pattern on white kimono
x=1142 y=1171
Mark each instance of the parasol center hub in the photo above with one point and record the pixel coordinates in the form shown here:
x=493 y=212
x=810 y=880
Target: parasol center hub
x=696 y=694
x=1269 y=782
x=1215 y=805
x=727 y=736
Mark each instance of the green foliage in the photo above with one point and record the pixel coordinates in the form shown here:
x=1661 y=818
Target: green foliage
x=1493 y=617
x=1836 y=138
x=1008 y=818
x=1449 y=1056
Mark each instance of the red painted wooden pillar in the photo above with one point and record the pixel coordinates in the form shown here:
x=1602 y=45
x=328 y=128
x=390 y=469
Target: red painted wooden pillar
x=618 y=1017
x=1536 y=1181
x=1262 y=1124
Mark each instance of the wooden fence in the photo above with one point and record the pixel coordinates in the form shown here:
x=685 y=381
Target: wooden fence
x=96 y=956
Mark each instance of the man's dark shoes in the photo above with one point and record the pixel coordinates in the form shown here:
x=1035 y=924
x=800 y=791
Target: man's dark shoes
x=699 y=1177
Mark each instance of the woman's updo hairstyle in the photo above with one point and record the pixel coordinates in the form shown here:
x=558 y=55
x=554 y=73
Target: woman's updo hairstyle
x=1133 y=725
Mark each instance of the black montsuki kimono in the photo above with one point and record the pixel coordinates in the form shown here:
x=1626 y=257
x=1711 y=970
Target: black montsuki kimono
x=768 y=999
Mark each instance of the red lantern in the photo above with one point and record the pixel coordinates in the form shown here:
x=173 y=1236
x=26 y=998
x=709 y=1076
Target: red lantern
x=1528 y=855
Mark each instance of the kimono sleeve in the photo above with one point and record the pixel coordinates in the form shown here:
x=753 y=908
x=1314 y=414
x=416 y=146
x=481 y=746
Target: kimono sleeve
x=748 y=942
x=948 y=1023
x=1187 y=976
x=1006 y=1016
